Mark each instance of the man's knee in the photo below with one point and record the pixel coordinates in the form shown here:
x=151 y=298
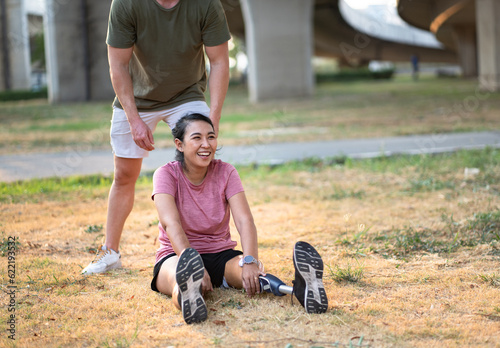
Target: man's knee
x=124 y=179
x=127 y=171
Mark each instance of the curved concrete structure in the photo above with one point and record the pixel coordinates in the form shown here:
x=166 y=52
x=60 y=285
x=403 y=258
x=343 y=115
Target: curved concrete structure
x=384 y=22
x=335 y=37
x=282 y=36
x=440 y=17
x=468 y=27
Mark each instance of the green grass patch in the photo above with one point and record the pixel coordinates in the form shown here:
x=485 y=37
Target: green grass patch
x=14 y=95
x=481 y=228
x=340 y=193
x=79 y=125
x=429 y=184
x=484 y=227
x=348 y=273
x=492 y=280
x=359 y=74
x=14 y=113
x=93 y=229
x=60 y=188
x=427 y=175
x=427 y=170
x=453 y=162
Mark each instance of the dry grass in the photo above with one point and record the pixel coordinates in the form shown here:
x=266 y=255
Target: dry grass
x=404 y=297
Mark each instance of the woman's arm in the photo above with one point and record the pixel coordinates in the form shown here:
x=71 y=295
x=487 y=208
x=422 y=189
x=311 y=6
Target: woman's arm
x=245 y=225
x=243 y=220
x=171 y=221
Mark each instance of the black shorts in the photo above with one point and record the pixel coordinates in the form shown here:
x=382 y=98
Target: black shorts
x=215 y=264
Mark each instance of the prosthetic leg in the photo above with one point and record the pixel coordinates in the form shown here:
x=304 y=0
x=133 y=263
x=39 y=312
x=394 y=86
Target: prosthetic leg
x=274 y=285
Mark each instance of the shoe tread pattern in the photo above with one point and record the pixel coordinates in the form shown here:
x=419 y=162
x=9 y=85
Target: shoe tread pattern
x=309 y=265
x=189 y=274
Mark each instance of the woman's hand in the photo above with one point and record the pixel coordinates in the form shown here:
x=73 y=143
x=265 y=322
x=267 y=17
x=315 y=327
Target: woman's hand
x=206 y=283
x=250 y=278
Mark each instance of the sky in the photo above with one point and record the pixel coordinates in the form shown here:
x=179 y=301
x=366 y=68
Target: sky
x=36 y=6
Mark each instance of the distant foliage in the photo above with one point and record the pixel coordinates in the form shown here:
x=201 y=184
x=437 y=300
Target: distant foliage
x=23 y=95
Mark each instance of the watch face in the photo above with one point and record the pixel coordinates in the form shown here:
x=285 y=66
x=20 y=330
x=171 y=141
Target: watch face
x=248 y=259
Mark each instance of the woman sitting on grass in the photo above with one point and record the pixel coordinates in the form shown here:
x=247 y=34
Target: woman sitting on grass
x=194 y=196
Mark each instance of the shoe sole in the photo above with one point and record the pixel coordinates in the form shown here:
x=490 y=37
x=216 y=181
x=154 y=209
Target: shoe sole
x=117 y=264
x=189 y=275
x=309 y=265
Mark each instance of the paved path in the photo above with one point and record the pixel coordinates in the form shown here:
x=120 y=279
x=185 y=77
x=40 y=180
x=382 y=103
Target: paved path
x=29 y=166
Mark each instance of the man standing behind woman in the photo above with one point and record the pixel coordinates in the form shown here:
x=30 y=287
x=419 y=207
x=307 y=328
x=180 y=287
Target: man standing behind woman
x=157 y=67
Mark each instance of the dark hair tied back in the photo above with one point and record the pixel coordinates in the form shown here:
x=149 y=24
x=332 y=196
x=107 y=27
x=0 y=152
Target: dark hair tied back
x=180 y=130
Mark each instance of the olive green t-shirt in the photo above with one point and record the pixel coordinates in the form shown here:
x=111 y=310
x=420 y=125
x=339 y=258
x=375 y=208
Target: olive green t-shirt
x=168 y=64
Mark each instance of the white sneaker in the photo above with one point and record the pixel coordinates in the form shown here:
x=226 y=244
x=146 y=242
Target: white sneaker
x=105 y=260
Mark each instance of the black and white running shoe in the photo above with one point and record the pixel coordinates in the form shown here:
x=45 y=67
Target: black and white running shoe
x=308 y=284
x=189 y=274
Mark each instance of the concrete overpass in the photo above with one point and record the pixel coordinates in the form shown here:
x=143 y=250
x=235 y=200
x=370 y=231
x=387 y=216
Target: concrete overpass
x=281 y=38
x=471 y=28
x=283 y=35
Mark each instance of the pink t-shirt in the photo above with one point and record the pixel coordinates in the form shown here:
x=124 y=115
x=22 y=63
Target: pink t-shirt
x=203 y=209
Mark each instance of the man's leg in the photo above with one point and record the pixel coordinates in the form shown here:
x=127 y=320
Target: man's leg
x=121 y=198
x=120 y=203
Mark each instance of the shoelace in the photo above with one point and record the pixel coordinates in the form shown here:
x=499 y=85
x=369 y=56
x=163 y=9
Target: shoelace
x=98 y=258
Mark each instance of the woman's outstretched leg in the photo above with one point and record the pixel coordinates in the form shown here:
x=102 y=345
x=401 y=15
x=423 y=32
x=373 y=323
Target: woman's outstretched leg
x=181 y=278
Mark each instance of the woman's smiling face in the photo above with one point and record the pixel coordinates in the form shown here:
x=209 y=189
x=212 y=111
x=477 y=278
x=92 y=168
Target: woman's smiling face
x=199 y=145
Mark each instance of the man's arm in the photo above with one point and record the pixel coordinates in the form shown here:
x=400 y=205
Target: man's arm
x=218 y=80
x=119 y=59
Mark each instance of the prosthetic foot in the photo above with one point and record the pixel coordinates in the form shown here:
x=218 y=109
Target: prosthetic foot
x=274 y=285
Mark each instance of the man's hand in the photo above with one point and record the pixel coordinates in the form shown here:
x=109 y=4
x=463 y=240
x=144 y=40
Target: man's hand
x=215 y=122
x=119 y=59
x=142 y=134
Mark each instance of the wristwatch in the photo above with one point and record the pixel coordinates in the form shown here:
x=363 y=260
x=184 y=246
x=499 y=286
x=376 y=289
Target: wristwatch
x=247 y=260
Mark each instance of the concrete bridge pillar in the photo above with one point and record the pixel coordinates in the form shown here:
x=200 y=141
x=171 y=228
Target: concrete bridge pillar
x=465 y=38
x=488 y=30
x=279 y=40
x=15 y=65
x=75 y=34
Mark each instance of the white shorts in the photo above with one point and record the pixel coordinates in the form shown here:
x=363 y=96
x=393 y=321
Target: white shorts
x=121 y=138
